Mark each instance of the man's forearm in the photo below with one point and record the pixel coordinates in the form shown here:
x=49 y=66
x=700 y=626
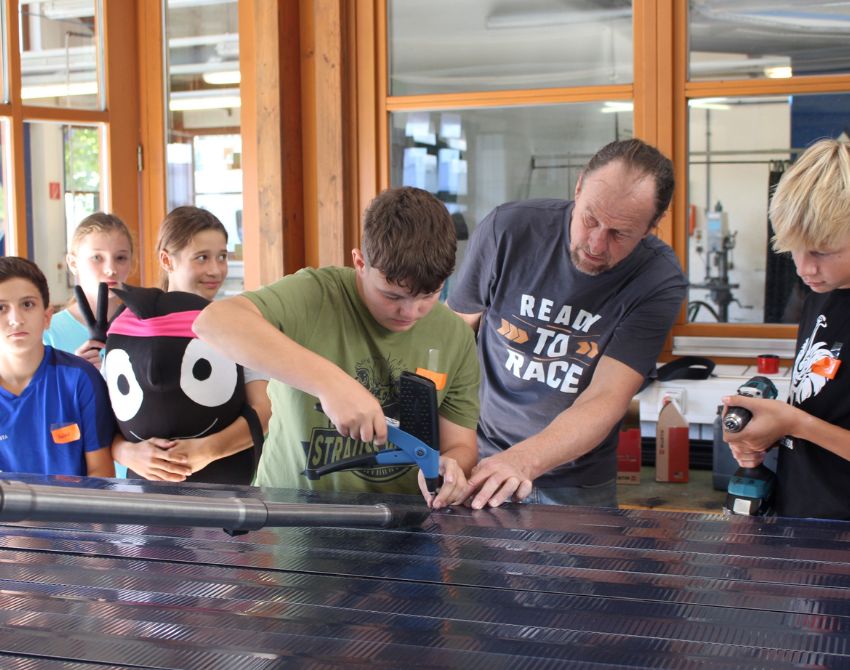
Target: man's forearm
x=572 y=434
x=581 y=427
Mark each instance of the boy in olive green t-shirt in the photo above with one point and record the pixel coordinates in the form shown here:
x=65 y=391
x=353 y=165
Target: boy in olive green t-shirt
x=343 y=336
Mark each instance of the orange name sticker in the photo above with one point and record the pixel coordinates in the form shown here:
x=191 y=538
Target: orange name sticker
x=439 y=378
x=826 y=367
x=65 y=434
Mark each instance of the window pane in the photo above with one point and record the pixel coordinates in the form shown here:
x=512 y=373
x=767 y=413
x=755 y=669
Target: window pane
x=768 y=38
x=4 y=71
x=218 y=188
x=63 y=187
x=739 y=148
x=6 y=243
x=476 y=159
x=204 y=146
x=61 y=52
x=442 y=46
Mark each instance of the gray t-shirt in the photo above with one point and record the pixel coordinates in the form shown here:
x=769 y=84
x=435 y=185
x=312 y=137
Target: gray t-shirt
x=545 y=325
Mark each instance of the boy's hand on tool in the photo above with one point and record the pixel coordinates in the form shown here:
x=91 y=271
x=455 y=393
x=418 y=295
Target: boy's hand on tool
x=354 y=411
x=453 y=488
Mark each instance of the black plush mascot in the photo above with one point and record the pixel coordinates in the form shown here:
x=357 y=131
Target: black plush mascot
x=164 y=382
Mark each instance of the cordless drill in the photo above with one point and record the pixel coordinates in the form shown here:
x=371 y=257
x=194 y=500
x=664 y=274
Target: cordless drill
x=750 y=490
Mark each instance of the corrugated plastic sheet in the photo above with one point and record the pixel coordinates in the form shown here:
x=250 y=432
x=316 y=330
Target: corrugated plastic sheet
x=523 y=587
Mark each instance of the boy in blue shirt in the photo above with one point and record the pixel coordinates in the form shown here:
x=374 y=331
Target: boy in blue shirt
x=55 y=416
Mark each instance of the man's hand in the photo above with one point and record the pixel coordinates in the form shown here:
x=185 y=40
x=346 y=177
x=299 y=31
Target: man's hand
x=152 y=459
x=353 y=410
x=453 y=489
x=90 y=351
x=497 y=479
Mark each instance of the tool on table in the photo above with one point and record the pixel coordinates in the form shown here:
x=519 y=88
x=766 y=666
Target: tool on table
x=750 y=490
x=415 y=436
x=35 y=502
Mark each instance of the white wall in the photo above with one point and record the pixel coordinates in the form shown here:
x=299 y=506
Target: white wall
x=741 y=187
x=48 y=216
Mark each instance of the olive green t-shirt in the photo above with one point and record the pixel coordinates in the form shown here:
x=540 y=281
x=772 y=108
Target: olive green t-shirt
x=321 y=310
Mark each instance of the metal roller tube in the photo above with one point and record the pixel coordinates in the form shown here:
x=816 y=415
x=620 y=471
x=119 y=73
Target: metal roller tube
x=33 y=502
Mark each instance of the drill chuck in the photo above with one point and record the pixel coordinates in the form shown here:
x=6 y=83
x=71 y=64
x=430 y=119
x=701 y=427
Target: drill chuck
x=737 y=417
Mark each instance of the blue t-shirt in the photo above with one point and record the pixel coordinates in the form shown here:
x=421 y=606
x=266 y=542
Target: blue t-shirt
x=65 y=332
x=63 y=413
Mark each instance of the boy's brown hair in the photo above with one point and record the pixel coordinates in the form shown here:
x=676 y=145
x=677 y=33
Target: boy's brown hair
x=15 y=267
x=409 y=236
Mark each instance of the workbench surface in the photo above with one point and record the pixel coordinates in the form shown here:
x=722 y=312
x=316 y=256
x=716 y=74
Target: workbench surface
x=695 y=495
x=517 y=588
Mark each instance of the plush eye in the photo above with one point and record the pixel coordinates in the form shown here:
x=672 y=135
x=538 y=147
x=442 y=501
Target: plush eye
x=125 y=394
x=207 y=377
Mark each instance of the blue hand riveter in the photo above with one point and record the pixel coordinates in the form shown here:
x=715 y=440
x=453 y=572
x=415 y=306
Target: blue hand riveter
x=415 y=435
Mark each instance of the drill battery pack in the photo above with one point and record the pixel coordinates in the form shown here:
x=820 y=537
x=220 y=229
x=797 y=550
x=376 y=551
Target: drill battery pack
x=750 y=491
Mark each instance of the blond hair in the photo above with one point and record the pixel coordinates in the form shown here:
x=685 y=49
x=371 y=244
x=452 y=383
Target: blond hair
x=99 y=222
x=811 y=206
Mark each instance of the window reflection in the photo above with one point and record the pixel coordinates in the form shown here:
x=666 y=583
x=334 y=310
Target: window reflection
x=5 y=242
x=760 y=39
x=738 y=149
x=63 y=187
x=443 y=46
x=204 y=166
x=474 y=160
x=4 y=76
x=60 y=49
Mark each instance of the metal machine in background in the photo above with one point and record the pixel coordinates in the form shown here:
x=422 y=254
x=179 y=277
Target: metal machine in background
x=719 y=243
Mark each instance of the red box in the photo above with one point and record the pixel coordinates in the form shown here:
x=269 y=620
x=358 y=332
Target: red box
x=628 y=456
x=672 y=445
x=672 y=455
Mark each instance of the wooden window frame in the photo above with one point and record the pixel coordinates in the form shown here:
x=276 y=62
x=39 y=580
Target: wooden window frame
x=660 y=92
x=119 y=119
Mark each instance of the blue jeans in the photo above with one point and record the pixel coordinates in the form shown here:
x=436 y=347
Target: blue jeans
x=596 y=495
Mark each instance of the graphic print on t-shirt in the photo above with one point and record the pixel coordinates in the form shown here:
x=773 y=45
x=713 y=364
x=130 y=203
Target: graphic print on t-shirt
x=326 y=446
x=549 y=343
x=805 y=383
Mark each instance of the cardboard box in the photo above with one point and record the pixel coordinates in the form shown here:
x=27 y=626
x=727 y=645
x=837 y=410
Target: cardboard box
x=628 y=456
x=628 y=446
x=672 y=445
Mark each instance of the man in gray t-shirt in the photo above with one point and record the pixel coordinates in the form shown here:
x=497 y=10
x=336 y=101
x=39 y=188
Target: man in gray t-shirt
x=572 y=302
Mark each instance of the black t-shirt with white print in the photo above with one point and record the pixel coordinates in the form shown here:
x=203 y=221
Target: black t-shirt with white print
x=813 y=481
